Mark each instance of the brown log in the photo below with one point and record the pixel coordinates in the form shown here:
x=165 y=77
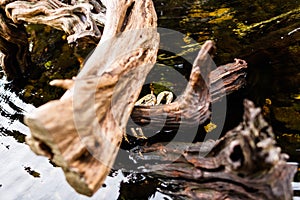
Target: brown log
x=227 y=79
x=193 y=105
x=83 y=130
x=244 y=164
x=190 y=107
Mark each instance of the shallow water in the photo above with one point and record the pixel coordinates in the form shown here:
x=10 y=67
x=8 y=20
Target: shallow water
x=248 y=30
x=24 y=175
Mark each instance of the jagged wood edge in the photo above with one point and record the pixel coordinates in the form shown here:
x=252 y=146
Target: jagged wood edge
x=194 y=109
x=244 y=164
x=77 y=20
x=82 y=131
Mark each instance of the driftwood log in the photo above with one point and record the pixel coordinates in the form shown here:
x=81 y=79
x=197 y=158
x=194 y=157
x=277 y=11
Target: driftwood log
x=244 y=164
x=57 y=137
x=84 y=138
x=192 y=107
x=83 y=130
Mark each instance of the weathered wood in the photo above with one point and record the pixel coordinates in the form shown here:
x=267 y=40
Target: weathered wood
x=194 y=103
x=77 y=20
x=14 y=47
x=244 y=164
x=82 y=131
x=85 y=137
x=191 y=108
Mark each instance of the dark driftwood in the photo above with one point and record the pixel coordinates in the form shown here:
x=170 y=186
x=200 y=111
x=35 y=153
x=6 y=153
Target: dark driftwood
x=244 y=164
x=83 y=130
x=14 y=49
x=192 y=107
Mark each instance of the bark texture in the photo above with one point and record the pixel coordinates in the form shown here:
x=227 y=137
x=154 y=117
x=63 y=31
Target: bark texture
x=244 y=164
x=76 y=20
x=82 y=131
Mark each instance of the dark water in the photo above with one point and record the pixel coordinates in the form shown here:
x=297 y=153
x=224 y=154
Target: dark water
x=264 y=33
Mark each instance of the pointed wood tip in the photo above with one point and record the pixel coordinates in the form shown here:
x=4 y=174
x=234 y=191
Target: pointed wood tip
x=63 y=83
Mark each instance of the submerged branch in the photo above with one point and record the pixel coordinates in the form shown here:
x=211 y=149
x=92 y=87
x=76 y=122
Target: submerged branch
x=244 y=164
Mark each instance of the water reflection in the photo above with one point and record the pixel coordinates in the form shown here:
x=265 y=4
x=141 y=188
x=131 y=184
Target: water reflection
x=17 y=160
x=26 y=176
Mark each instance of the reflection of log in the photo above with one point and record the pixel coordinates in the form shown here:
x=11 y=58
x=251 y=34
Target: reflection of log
x=82 y=131
x=244 y=164
x=14 y=48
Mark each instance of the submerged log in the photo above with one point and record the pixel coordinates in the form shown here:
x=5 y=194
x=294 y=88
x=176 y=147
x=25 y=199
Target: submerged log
x=83 y=130
x=244 y=164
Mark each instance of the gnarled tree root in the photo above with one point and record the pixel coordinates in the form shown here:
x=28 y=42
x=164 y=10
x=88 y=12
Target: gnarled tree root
x=244 y=164
x=83 y=130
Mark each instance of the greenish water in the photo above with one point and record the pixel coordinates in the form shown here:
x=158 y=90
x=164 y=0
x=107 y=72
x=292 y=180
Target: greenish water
x=264 y=33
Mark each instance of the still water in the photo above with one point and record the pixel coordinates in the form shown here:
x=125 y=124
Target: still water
x=264 y=33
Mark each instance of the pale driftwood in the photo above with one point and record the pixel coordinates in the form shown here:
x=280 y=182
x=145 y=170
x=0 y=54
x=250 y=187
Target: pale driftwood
x=82 y=131
x=244 y=164
x=76 y=20
x=86 y=149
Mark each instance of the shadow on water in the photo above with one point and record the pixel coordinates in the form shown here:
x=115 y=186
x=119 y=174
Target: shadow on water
x=264 y=33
